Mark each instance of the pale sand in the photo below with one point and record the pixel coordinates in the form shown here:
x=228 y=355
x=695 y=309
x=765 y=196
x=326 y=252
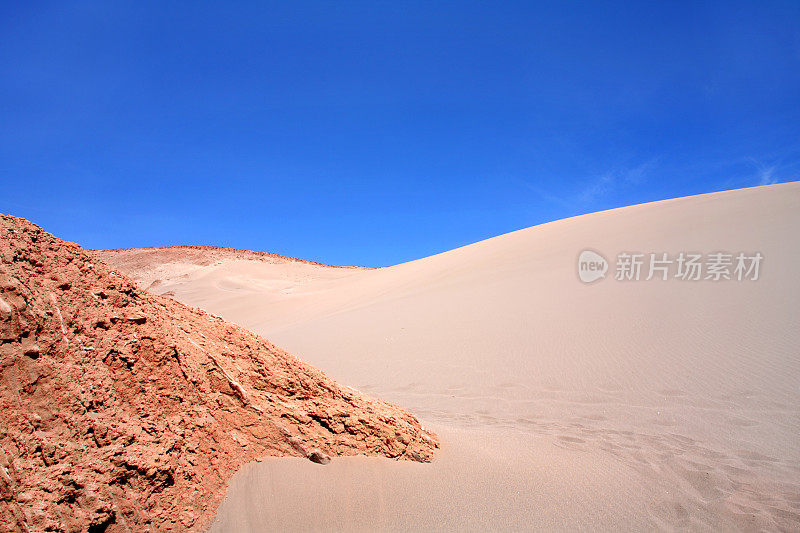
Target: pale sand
x=561 y=405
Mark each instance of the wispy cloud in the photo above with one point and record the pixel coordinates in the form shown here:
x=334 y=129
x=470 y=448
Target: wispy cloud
x=545 y=195
x=615 y=179
x=773 y=171
x=767 y=176
x=596 y=187
x=749 y=171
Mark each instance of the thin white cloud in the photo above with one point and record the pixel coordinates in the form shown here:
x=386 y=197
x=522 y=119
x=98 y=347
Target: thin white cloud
x=749 y=171
x=597 y=187
x=615 y=179
x=545 y=195
x=766 y=176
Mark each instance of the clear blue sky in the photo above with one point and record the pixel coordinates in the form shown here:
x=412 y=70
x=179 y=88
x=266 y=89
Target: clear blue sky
x=379 y=132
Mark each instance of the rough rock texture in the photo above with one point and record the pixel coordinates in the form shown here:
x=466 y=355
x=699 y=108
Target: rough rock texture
x=126 y=411
x=132 y=259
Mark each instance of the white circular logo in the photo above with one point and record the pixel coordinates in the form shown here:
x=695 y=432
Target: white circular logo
x=591 y=266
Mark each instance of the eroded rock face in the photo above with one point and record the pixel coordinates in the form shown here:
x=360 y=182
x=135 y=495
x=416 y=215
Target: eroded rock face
x=122 y=410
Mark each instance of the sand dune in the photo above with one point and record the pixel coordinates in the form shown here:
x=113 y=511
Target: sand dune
x=560 y=404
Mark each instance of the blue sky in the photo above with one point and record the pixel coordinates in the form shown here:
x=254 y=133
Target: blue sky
x=379 y=132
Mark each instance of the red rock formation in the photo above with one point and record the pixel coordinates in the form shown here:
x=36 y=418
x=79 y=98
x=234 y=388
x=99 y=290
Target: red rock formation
x=122 y=410
x=133 y=259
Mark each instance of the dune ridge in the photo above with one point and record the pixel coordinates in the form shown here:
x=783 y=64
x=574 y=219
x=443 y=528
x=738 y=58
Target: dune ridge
x=132 y=258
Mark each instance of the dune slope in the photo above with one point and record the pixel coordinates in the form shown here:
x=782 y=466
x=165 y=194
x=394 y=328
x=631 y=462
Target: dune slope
x=561 y=404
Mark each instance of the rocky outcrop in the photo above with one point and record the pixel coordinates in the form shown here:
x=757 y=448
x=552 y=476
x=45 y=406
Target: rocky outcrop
x=125 y=411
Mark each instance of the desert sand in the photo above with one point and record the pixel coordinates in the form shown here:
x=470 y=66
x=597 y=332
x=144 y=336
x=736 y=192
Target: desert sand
x=560 y=405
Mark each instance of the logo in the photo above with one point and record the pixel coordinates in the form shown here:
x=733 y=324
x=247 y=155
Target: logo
x=591 y=266
x=662 y=266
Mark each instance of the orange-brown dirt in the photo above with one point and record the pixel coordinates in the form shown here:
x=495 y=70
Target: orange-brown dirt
x=125 y=411
x=134 y=259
